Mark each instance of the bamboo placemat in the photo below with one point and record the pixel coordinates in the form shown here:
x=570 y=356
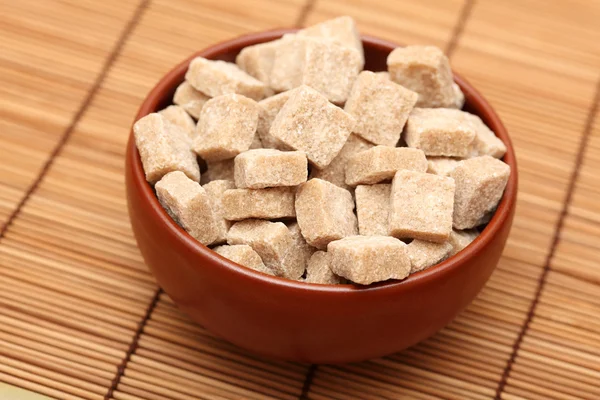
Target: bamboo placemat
x=80 y=316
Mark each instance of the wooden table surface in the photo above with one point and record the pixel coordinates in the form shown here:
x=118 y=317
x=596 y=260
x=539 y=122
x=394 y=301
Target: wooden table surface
x=80 y=316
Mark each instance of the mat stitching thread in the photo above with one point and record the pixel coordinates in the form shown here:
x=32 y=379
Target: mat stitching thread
x=465 y=13
x=78 y=115
x=133 y=346
x=304 y=12
x=457 y=32
x=589 y=123
x=308 y=381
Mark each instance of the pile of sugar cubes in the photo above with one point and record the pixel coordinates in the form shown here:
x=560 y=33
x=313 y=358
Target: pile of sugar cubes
x=318 y=171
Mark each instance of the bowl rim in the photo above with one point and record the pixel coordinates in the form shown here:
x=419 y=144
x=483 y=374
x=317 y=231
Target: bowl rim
x=167 y=85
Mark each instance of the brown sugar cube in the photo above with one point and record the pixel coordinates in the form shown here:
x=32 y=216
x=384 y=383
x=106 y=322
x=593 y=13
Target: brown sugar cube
x=262 y=168
x=257 y=60
x=256 y=143
x=295 y=261
x=368 y=259
x=288 y=65
x=180 y=118
x=305 y=249
x=189 y=205
x=380 y=163
x=424 y=254
x=218 y=170
x=324 y=212
x=243 y=255
x=216 y=78
x=269 y=108
x=421 y=206
x=321 y=64
x=383 y=74
x=331 y=69
x=440 y=132
x=335 y=172
x=459 y=96
x=486 y=143
x=373 y=208
x=425 y=70
x=486 y=218
x=215 y=190
x=341 y=30
x=318 y=270
x=190 y=99
x=227 y=127
x=480 y=183
x=461 y=239
x=441 y=165
x=380 y=107
x=309 y=123
x=271 y=203
x=271 y=240
x=164 y=148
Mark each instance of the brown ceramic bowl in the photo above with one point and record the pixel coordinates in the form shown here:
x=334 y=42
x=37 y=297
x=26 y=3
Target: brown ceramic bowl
x=298 y=321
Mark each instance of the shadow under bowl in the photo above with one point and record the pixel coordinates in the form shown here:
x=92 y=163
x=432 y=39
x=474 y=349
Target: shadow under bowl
x=304 y=322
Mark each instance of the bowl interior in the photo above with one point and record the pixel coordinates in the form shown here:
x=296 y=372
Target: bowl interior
x=376 y=52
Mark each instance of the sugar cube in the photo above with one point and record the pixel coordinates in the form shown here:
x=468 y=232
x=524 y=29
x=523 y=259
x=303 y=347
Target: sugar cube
x=341 y=30
x=372 y=209
x=226 y=128
x=295 y=261
x=262 y=168
x=368 y=259
x=487 y=217
x=335 y=172
x=288 y=64
x=190 y=99
x=215 y=191
x=424 y=254
x=180 y=118
x=480 y=183
x=271 y=203
x=269 y=108
x=380 y=107
x=189 y=205
x=441 y=165
x=318 y=270
x=485 y=142
x=324 y=212
x=216 y=78
x=164 y=148
x=425 y=70
x=218 y=170
x=459 y=96
x=440 y=132
x=324 y=65
x=380 y=163
x=243 y=255
x=421 y=206
x=271 y=240
x=308 y=122
x=461 y=239
x=257 y=60
x=256 y=143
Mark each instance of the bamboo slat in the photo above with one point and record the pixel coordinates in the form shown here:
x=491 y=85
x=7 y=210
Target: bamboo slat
x=77 y=317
